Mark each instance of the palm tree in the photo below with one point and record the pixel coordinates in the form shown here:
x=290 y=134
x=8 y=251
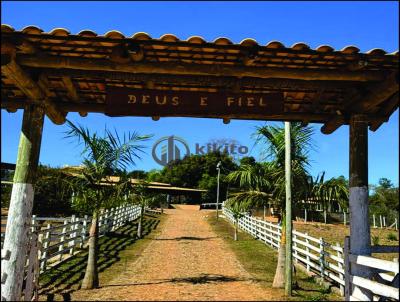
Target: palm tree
x=301 y=143
x=140 y=195
x=329 y=191
x=254 y=182
x=238 y=210
x=93 y=186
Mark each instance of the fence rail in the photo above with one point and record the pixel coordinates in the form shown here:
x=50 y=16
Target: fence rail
x=60 y=238
x=315 y=254
x=380 y=285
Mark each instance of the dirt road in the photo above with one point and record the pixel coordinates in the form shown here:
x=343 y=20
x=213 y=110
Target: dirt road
x=185 y=262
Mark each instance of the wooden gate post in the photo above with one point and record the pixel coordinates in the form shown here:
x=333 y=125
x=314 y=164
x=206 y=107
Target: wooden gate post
x=360 y=238
x=20 y=210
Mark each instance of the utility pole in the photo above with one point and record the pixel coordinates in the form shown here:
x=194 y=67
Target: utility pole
x=288 y=168
x=219 y=171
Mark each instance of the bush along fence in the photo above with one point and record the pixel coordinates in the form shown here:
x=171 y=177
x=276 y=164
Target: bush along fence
x=61 y=238
x=325 y=259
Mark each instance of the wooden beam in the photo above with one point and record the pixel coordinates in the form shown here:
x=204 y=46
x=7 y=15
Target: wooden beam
x=351 y=97
x=100 y=108
x=201 y=80
x=197 y=69
x=71 y=90
x=391 y=105
x=32 y=90
x=333 y=124
x=379 y=93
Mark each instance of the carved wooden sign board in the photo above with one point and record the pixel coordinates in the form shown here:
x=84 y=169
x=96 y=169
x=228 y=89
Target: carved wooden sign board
x=122 y=101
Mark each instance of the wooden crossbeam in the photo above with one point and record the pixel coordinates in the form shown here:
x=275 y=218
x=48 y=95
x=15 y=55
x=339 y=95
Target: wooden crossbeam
x=379 y=93
x=389 y=108
x=333 y=124
x=351 y=97
x=33 y=91
x=197 y=69
x=285 y=84
x=71 y=90
x=100 y=108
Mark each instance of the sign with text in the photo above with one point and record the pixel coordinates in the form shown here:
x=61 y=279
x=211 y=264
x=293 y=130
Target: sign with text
x=145 y=102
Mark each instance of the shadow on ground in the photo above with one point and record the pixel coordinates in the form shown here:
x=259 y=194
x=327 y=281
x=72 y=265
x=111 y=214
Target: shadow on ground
x=67 y=277
x=187 y=238
x=202 y=279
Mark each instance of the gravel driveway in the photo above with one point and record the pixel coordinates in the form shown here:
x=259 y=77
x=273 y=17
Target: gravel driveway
x=186 y=261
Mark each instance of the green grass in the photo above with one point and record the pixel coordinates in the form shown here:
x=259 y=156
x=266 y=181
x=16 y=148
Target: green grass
x=115 y=250
x=260 y=261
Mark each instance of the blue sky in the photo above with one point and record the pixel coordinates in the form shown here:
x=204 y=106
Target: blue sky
x=364 y=24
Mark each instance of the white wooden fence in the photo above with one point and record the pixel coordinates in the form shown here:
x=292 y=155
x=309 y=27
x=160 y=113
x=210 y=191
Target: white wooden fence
x=380 y=284
x=316 y=255
x=61 y=238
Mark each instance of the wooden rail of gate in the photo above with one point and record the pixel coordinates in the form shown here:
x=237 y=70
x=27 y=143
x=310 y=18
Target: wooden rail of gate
x=380 y=285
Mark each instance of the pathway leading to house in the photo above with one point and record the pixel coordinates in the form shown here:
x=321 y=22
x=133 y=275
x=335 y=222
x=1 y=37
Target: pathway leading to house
x=186 y=261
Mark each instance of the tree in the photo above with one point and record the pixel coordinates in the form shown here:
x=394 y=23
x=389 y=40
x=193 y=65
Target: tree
x=140 y=195
x=254 y=182
x=274 y=139
x=199 y=171
x=52 y=195
x=385 y=199
x=238 y=210
x=93 y=189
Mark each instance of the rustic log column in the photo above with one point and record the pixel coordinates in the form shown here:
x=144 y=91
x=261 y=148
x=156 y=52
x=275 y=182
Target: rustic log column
x=359 y=219
x=20 y=209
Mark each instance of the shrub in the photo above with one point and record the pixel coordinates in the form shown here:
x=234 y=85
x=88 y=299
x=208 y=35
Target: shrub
x=392 y=237
x=375 y=240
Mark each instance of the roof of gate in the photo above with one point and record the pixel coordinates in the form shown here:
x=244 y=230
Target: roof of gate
x=319 y=85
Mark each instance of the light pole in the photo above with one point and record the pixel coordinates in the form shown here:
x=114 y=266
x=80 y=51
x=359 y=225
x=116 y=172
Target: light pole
x=219 y=171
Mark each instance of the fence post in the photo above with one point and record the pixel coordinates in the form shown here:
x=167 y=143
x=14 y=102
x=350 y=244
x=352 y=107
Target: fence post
x=305 y=215
x=308 y=252
x=62 y=238
x=321 y=258
x=30 y=273
x=271 y=235
x=347 y=269
x=34 y=222
x=373 y=219
x=256 y=223
x=101 y=217
x=340 y=255
x=295 y=248
x=83 y=230
x=72 y=235
x=46 y=242
x=344 y=218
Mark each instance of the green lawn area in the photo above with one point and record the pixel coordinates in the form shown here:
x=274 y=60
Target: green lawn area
x=116 y=249
x=260 y=261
